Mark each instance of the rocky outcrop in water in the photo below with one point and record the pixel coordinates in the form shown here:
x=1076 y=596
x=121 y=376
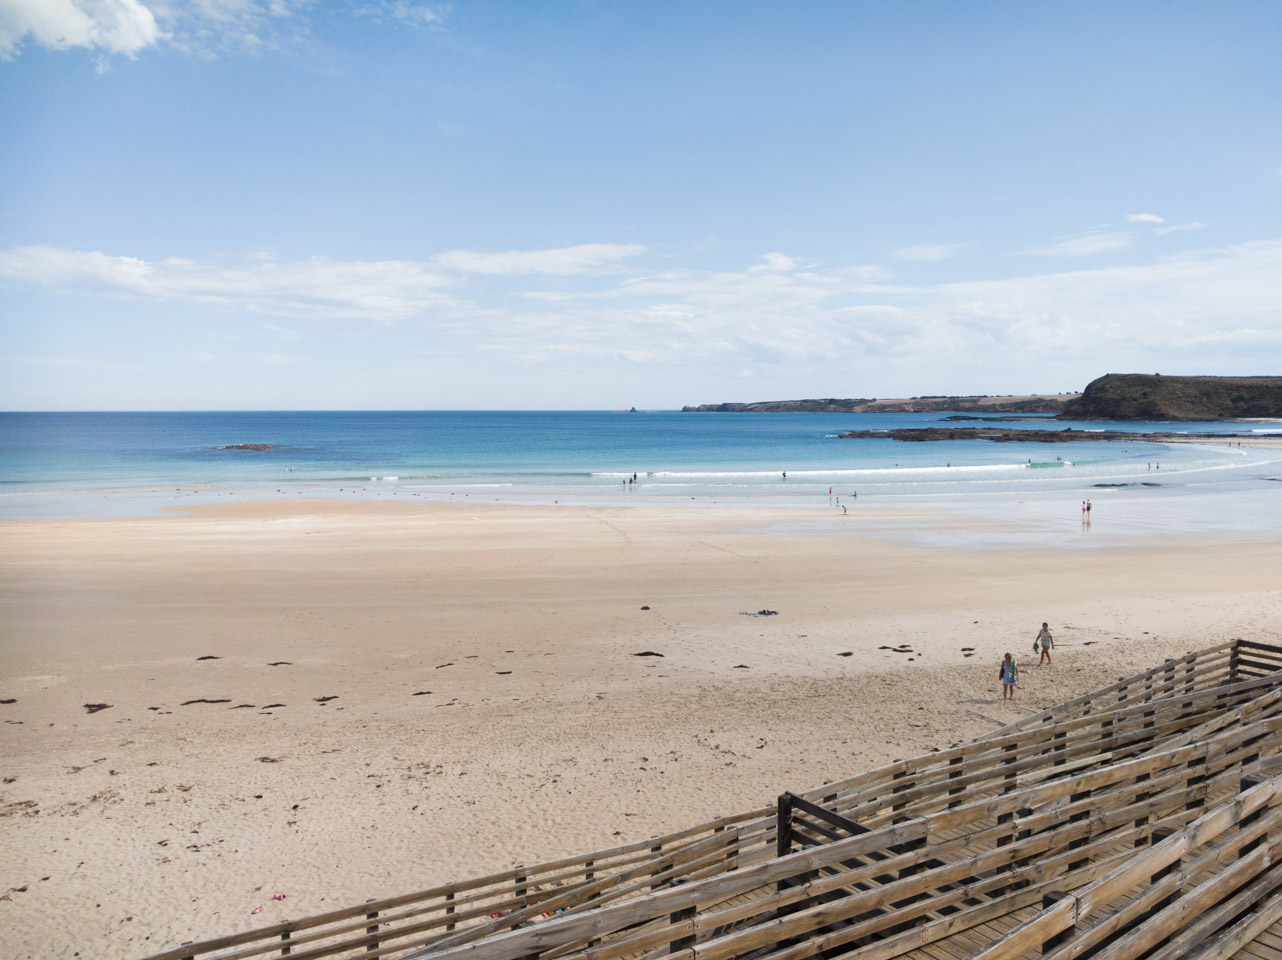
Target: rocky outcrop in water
x=1010 y=435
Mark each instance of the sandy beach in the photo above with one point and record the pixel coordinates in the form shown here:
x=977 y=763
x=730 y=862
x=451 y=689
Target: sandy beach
x=340 y=701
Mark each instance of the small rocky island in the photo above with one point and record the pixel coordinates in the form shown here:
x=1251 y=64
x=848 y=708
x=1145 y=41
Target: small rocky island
x=251 y=446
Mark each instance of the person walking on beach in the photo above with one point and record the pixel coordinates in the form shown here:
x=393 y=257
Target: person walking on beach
x=1045 y=642
x=1008 y=673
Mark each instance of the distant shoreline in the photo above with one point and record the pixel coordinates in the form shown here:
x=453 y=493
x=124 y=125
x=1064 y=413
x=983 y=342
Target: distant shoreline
x=1031 y=403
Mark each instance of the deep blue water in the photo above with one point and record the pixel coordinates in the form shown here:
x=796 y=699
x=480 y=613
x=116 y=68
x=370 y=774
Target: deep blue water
x=584 y=453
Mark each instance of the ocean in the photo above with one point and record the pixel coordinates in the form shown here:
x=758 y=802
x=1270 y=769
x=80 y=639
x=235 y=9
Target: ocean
x=129 y=464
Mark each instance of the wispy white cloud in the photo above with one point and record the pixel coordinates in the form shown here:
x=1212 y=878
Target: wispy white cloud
x=281 y=333
x=205 y=28
x=597 y=310
x=109 y=26
x=1085 y=245
x=562 y=261
x=274 y=359
x=928 y=252
x=1179 y=227
x=1144 y=218
x=774 y=263
x=379 y=290
x=402 y=11
x=75 y=363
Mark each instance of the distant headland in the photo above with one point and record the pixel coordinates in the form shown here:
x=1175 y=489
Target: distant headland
x=1041 y=403
x=1145 y=396
x=1114 y=396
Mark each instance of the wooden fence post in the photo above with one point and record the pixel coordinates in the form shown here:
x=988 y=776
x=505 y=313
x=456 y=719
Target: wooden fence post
x=953 y=775
x=1012 y=749
x=1141 y=797
x=657 y=850
x=1234 y=656
x=1245 y=784
x=449 y=909
x=732 y=848
x=1077 y=818
x=677 y=944
x=284 y=950
x=372 y=930
x=783 y=825
x=1197 y=777
x=1160 y=834
x=188 y=956
x=1056 y=940
x=900 y=788
x=1021 y=815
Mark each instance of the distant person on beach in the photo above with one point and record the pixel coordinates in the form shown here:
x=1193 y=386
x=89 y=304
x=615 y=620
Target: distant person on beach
x=1008 y=673
x=1088 y=509
x=1046 y=642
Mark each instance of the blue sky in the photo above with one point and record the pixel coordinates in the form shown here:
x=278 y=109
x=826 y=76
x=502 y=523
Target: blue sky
x=388 y=204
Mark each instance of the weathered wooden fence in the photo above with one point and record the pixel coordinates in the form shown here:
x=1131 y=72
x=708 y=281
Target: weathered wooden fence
x=884 y=892
x=931 y=847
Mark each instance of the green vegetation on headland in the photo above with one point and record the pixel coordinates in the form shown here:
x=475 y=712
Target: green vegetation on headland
x=1045 y=403
x=1142 y=396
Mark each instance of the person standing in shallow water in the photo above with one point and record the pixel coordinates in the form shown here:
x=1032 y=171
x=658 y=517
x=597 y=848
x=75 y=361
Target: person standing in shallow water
x=1008 y=673
x=1046 y=642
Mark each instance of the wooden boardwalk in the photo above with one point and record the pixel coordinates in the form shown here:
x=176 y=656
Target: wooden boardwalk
x=1142 y=820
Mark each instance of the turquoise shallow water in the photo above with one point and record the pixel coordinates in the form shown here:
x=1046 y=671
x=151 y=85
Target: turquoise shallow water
x=102 y=464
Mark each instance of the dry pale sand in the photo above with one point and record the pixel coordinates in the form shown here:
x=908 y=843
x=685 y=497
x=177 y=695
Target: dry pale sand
x=488 y=705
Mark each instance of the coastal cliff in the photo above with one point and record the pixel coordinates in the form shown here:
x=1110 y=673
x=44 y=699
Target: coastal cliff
x=1140 y=396
x=1042 y=403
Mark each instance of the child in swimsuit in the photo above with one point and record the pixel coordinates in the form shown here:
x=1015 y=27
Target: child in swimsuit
x=1008 y=673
